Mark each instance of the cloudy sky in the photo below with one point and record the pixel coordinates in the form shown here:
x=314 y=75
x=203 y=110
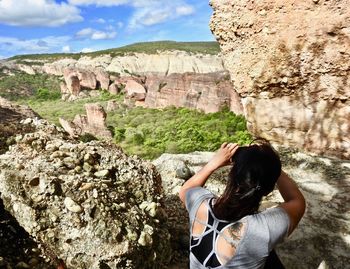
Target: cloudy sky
x=45 y=26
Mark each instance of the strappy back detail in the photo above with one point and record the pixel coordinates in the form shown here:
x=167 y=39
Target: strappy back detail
x=219 y=241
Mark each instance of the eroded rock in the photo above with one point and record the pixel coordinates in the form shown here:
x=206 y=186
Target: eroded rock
x=207 y=92
x=94 y=123
x=290 y=68
x=108 y=215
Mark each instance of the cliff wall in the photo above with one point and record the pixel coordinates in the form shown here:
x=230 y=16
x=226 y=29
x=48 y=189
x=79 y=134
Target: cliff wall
x=164 y=63
x=289 y=62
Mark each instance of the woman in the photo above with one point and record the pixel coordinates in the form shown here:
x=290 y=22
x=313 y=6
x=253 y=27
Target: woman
x=228 y=231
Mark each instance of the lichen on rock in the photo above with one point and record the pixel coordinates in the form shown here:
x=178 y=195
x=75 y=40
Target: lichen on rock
x=86 y=203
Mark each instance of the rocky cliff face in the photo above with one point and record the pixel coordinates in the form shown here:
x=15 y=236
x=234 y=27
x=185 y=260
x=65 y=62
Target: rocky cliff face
x=206 y=92
x=289 y=62
x=164 y=63
x=169 y=78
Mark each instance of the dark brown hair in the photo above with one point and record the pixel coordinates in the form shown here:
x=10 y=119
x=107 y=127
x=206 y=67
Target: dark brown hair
x=253 y=175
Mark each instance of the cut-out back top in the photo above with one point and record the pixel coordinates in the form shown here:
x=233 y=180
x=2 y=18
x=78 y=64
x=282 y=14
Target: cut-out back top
x=220 y=244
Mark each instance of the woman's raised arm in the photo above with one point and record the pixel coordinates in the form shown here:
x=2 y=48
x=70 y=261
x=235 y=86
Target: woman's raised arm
x=294 y=202
x=221 y=158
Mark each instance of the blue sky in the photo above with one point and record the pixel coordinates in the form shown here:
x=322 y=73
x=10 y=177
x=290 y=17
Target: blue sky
x=46 y=26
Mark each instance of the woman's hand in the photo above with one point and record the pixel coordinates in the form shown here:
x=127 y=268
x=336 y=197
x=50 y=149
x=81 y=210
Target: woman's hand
x=223 y=156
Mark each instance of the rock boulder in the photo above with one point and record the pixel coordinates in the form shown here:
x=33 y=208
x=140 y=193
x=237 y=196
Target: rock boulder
x=135 y=90
x=94 y=123
x=88 y=204
x=290 y=68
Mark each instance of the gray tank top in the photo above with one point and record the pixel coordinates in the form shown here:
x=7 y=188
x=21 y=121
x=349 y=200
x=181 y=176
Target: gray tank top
x=263 y=232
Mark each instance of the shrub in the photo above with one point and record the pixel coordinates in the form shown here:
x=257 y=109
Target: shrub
x=150 y=132
x=87 y=137
x=44 y=94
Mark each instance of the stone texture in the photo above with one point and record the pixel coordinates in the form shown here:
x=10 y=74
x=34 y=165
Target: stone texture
x=26 y=69
x=87 y=221
x=94 y=123
x=165 y=63
x=208 y=92
x=162 y=63
x=72 y=84
x=323 y=235
x=289 y=63
x=102 y=78
x=87 y=79
x=135 y=91
x=10 y=115
x=113 y=89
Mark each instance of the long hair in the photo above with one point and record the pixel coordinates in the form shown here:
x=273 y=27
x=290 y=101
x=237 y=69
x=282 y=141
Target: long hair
x=253 y=175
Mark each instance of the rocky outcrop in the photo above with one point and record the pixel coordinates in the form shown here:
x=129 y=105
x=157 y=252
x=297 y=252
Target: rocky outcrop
x=290 y=68
x=135 y=91
x=94 y=123
x=323 y=232
x=10 y=115
x=208 y=92
x=88 y=204
x=163 y=63
x=78 y=79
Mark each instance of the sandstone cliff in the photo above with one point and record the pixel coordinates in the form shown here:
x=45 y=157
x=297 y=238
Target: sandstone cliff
x=289 y=62
x=168 y=78
x=206 y=92
x=163 y=63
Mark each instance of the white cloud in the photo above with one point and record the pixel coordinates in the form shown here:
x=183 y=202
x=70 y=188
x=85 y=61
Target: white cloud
x=95 y=34
x=159 y=13
x=105 y=3
x=100 y=20
x=87 y=50
x=66 y=49
x=98 y=35
x=42 y=45
x=83 y=33
x=147 y=12
x=37 y=13
x=184 y=10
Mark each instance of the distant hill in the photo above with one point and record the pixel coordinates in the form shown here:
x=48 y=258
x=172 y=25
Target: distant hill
x=142 y=47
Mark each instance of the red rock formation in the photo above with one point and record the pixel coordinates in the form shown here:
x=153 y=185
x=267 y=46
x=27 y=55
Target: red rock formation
x=94 y=122
x=135 y=91
x=208 y=92
x=72 y=84
x=103 y=78
x=113 y=89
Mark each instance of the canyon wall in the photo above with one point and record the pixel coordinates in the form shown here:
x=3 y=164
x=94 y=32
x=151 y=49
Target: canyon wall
x=170 y=78
x=207 y=92
x=163 y=63
x=289 y=62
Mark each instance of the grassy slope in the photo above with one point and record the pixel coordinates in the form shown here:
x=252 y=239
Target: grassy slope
x=143 y=47
x=23 y=86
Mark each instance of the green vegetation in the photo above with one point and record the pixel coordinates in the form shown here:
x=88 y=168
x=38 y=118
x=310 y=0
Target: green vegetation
x=57 y=108
x=22 y=85
x=151 y=132
x=143 y=47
